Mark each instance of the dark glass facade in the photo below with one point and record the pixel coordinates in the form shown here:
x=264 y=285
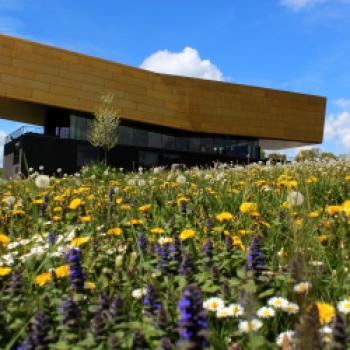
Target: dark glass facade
x=148 y=136
x=66 y=137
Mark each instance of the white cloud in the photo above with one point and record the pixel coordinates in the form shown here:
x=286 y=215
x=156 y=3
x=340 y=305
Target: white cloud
x=2 y=142
x=299 y=4
x=185 y=63
x=337 y=127
x=343 y=103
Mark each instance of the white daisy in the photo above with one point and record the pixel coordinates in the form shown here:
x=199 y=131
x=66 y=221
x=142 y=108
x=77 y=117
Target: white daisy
x=302 y=287
x=248 y=326
x=290 y=308
x=344 y=306
x=278 y=302
x=236 y=310
x=213 y=304
x=139 y=293
x=266 y=312
x=282 y=337
x=224 y=312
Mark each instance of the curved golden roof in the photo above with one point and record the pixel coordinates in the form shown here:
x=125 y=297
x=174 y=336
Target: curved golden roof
x=49 y=76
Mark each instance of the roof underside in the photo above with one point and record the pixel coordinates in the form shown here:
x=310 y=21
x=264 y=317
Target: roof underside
x=48 y=76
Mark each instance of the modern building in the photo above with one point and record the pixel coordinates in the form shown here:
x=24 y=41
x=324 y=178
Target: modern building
x=165 y=119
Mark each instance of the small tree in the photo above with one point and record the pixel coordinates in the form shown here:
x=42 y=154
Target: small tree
x=328 y=155
x=104 y=129
x=308 y=154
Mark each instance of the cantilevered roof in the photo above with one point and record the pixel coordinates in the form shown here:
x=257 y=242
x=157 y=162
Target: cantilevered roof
x=39 y=75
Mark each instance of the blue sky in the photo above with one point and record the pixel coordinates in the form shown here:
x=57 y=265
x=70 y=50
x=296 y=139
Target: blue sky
x=297 y=45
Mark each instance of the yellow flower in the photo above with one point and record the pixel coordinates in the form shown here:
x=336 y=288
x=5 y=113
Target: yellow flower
x=57 y=209
x=292 y=184
x=314 y=214
x=4 y=271
x=75 y=203
x=119 y=200
x=323 y=239
x=38 y=201
x=311 y=180
x=248 y=207
x=62 y=271
x=4 y=240
x=56 y=218
x=79 y=241
x=347 y=177
x=157 y=230
x=145 y=208
x=89 y=285
x=224 y=216
x=115 y=231
x=186 y=234
x=333 y=209
x=326 y=312
x=58 y=198
x=136 y=222
x=87 y=218
x=42 y=279
x=182 y=200
x=126 y=207
x=298 y=222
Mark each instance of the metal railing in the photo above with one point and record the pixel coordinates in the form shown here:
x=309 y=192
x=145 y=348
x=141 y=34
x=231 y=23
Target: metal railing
x=24 y=130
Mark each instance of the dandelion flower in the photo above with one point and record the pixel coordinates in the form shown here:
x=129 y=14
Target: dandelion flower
x=42 y=279
x=4 y=240
x=4 y=271
x=79 y=241
x=224 y=217
x=295 y=199
x=326 y=312
x=248 y=207
x=75 y=204
x=186 y=234
x=42 y=181
x=115 y=231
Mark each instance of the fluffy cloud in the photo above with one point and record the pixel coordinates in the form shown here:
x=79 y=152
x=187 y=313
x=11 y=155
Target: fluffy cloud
x=337 y=127
x=2 y=142
x=186 y=63
x=299 y=4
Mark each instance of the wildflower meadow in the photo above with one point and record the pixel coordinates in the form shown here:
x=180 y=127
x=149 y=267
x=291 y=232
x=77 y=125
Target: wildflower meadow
x=231 y=257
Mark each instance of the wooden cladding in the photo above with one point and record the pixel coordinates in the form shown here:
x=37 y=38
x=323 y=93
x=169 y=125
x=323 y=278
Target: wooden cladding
x=51 y=76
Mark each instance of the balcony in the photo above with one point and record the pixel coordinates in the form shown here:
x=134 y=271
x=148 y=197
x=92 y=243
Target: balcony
x=22 y=131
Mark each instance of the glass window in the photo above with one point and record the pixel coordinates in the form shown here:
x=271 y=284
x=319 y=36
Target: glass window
x=125 y=135
x=168 y=142
x=182 y=143
x=207 y=145
x=140 y=138
x=79 y=127
x=154 y=140
x=195 y=144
